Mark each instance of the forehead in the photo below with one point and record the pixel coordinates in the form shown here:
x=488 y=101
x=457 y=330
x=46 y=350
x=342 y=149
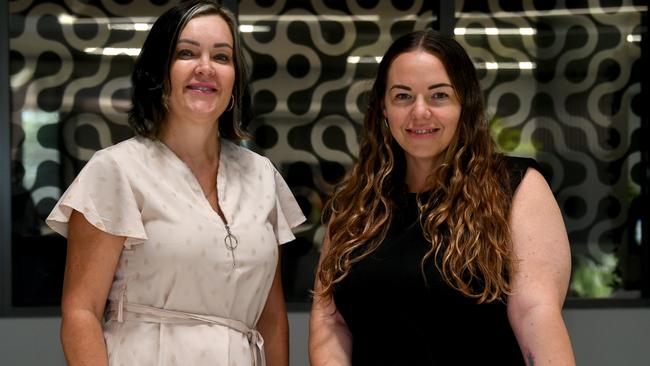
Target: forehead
x=211 y=27
x=417 y=67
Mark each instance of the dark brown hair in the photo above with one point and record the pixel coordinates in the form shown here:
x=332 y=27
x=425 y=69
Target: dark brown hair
x=151 y=79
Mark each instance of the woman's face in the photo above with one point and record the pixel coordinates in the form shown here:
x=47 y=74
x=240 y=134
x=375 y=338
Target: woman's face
x=202 y=72
x=421 y=106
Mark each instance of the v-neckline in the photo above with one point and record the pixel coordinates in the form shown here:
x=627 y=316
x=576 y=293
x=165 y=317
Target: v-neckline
x=193 y=182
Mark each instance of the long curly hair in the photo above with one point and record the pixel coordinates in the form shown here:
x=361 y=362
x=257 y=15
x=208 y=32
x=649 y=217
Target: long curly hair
x=465 y=216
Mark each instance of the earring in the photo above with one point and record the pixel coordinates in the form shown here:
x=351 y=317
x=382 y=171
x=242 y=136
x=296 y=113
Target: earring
x=165 y=102
x=231 y=105
x=386 y=122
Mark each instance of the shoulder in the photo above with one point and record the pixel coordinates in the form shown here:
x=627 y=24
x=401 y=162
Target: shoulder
x=518 y=164
x=126 y=149
x=243 y=157
x=518 y=167
x=532 y=196
x=124 y=158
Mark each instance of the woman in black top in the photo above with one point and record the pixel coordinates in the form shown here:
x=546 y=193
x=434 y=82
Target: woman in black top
x=439 y=251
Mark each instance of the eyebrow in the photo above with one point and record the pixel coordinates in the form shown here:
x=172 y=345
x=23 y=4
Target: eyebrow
x=434 y=86
x=195 y=43
x=439 y=85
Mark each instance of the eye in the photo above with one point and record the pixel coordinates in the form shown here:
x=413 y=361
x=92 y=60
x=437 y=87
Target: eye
x=184 y=53
x=439 y=96
x=221 y=57
x=402 y=96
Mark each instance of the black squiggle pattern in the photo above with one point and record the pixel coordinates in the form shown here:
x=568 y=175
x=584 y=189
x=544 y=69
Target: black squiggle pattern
x=578 y=112
x=309 y=97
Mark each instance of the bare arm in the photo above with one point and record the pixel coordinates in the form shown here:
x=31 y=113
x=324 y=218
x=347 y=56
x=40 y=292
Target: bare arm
x=330 y=341
x=273 y=324
x=90 y=266
x=541 y=276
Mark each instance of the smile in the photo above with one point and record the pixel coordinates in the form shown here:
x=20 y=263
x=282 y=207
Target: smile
x=423 y=131
x=204 y=89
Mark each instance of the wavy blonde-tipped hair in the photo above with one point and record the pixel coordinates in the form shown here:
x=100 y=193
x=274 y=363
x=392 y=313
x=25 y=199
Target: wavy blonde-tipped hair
x=465 y=217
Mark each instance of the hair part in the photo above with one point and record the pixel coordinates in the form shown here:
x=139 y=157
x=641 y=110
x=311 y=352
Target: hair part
x=465 y=217
x=151 y=74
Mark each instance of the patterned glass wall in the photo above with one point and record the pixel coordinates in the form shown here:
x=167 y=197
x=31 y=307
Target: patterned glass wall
x=563 y=84
x=312 y=62
x=70 y=66
x=574 y=106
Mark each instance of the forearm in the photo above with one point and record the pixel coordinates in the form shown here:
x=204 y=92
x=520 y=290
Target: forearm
x=543 y=337
x=82 y=339
x=330 y=342
x=276 y=339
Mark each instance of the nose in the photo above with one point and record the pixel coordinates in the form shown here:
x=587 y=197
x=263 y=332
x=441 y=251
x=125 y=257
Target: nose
x=204 y=67
x=421 y=108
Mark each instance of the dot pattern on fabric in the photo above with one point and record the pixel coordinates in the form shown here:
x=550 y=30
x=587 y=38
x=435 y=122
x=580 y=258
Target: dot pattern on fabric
x=174 y=255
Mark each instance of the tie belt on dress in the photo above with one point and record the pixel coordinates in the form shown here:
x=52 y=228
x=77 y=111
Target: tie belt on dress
x=124 y=310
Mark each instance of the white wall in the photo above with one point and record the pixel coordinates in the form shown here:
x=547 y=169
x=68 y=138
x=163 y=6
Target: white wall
x=601 y=337
x=614 y=337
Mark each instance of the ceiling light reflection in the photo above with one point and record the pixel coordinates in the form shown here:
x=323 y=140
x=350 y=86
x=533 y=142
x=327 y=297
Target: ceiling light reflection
x=364 y=59
x=599 y=10
x=113 y=51
x=248 y=28
x=138 y=27
x=633 y=38
x=495 y=31
x=525 y=65
x=138 y=24
x=251 y=18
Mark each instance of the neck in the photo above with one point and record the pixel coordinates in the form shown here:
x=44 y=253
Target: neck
x=415 y=182
x=196 y=145
x=417 y=173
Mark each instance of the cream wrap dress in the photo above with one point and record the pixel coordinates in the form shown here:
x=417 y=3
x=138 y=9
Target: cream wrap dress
x=178 y=297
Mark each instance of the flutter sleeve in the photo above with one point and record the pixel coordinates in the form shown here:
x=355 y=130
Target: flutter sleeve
x=104 y=194
x=286 y=214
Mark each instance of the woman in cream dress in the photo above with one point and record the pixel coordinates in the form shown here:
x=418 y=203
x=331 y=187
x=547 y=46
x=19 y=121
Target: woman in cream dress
x=173 y=235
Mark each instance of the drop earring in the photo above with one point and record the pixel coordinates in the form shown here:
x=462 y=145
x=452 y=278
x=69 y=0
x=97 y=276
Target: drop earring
x=386 y=122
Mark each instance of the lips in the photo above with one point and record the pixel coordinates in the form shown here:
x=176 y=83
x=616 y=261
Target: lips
x=202 y=88
x=422 y=131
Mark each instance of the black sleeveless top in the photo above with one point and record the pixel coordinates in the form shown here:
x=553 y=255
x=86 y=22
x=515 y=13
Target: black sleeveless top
x=395 y=318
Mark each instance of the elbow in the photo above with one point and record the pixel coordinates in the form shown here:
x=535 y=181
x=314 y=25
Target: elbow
x=521 y=311
x=75 y=321
x=315 y=342
x=71 y=328
x=312 y=340
x=330 y=342
x=69 y=332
